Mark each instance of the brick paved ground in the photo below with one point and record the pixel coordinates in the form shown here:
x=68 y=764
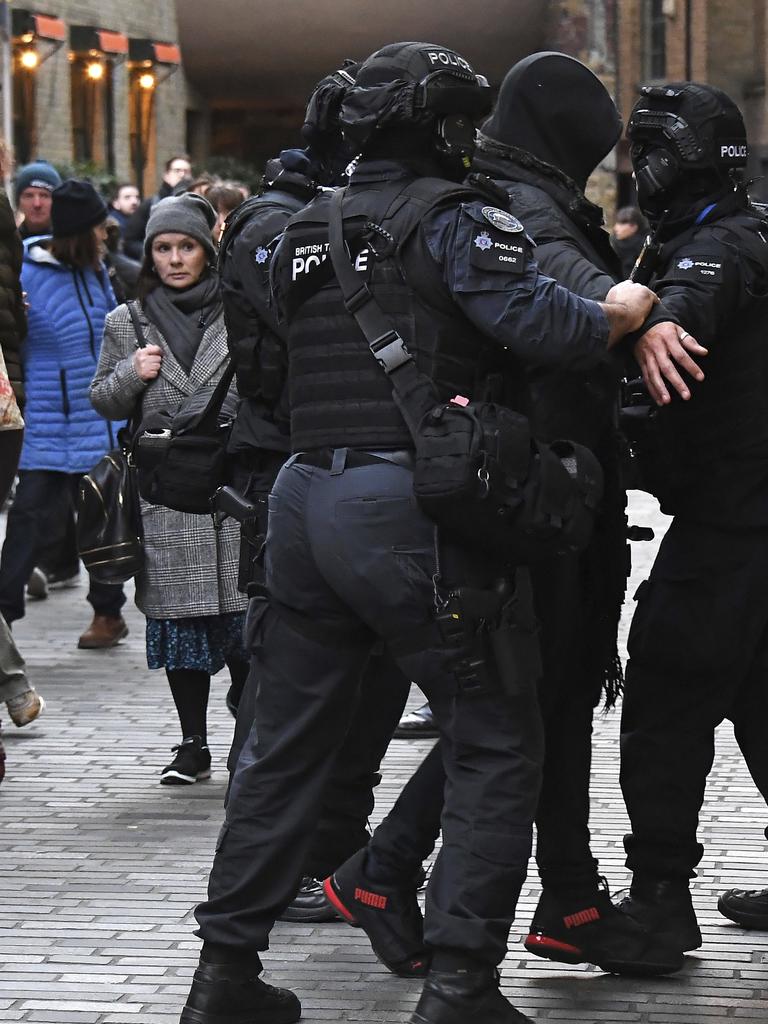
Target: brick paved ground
x=99 y=866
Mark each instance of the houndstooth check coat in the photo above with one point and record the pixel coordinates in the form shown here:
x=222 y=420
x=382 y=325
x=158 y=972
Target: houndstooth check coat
x=191 y=569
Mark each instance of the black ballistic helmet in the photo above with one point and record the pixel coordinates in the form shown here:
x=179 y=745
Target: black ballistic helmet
x=321 y=130
x=685 y=136
x=414 y=84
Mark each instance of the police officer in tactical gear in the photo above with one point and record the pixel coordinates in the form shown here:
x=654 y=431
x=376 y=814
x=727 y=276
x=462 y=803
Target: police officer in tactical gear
x=553 y=123
x=351 y=560
x=699 y=638
x=260 y=443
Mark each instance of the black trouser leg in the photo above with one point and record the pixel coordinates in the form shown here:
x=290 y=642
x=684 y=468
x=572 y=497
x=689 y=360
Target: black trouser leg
x=408 y=834
x=190 y=690
x=695 y=635
x=302 y=709
x=35 y=510
x=349 y=800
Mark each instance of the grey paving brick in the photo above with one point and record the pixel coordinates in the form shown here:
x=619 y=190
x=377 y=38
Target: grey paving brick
x=100 y=866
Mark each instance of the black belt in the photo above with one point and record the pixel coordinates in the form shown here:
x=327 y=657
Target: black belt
x=339 y=459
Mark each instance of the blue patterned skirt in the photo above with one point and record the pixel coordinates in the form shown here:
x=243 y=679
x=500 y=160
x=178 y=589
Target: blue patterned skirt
x=202 y=642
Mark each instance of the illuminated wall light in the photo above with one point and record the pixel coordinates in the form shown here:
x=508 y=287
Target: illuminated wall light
x=147 y=81
x=29 y=59
x=95 y=70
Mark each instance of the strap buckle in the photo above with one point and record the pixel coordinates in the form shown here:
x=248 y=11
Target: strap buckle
x=389 y=349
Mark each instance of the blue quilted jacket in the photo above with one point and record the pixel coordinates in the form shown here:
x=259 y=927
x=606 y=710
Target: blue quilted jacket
x=67 y=309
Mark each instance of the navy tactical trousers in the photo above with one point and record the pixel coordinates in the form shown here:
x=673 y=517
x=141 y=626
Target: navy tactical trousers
x=698 y=654
x=351 y=560
x=41 y=510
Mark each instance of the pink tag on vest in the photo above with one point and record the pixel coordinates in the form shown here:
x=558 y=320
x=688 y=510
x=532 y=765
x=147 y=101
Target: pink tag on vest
x=459 y=400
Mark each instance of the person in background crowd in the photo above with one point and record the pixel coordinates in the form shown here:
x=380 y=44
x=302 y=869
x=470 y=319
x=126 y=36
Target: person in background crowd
x=188 y=589
x=629 y=231
x=176 y=169
x=202 y=183
x=123 y=271
x=69 y=296
x=124 y=203
x=35 y=183
x=224 y=197
x=24 y=704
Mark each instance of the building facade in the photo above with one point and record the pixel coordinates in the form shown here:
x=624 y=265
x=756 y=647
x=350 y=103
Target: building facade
x=99 y=85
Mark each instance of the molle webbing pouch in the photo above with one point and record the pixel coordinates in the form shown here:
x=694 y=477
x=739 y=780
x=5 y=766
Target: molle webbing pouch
x=478 y=472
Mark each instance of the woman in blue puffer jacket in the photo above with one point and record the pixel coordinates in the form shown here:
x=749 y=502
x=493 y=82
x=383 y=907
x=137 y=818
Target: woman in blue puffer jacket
x=69 y=296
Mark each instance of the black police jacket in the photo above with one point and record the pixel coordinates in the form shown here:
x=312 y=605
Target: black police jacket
x=573 y=248
x=453 y=273
x=714 y=447
x=253 y=334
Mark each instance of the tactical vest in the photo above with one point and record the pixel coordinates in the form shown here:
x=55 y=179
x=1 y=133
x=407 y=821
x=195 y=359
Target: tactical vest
x=721 y=433
x=339 y=395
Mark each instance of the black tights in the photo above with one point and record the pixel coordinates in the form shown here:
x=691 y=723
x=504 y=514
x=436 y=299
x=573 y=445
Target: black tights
x=190 y=690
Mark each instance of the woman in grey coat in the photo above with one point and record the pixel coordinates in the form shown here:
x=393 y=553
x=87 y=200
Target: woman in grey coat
x=188 y=588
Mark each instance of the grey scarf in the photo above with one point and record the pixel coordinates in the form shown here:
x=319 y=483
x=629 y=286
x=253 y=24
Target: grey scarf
x=183 y=316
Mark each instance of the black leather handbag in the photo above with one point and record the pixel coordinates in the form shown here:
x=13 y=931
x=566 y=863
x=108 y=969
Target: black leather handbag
x=109 y=534
x=478 y=472
x=181 y=457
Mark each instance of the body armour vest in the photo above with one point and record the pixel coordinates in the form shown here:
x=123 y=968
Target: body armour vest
x=339 y=395
x=715 y=446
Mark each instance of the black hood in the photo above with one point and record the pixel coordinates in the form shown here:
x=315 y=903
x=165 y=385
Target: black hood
x=554 y=107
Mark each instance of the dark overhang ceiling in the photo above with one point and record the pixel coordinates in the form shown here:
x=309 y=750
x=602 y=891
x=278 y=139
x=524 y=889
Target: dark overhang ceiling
x=268 y=51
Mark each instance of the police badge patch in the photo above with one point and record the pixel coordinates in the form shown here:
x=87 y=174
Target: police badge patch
x=502 y=220
x=261 y=255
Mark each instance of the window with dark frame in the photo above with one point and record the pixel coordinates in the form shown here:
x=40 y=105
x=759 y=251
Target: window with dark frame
x=93 y=113
x=654 y=40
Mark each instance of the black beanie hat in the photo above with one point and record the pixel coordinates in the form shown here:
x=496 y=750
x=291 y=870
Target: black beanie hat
x=77 y=206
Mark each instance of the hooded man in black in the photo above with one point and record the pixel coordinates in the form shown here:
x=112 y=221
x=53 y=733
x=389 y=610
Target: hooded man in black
x=553 y=124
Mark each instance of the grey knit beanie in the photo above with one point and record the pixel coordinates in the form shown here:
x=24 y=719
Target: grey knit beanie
x=189 y=214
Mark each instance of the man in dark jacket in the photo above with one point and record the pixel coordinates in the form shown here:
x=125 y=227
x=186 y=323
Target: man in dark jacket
x=260 y=444
x=698 y=644
x=176 y=169
x=553 y=123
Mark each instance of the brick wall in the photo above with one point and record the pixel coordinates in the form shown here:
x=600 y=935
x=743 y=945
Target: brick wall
x=139 y=19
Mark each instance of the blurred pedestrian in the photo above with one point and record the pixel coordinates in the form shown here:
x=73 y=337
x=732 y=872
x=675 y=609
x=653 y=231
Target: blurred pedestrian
x=69 y=296
x=24 y=704
x=124 y=203
x=188 y=589
x=176 y=169
x=35 y=183
x=628 y=236
x=224 y=198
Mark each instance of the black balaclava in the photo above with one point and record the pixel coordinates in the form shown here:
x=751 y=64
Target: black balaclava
x=552 y=106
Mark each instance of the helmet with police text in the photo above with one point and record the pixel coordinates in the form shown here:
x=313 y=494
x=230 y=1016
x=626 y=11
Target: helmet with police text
x=417 y=85
x=684 y=137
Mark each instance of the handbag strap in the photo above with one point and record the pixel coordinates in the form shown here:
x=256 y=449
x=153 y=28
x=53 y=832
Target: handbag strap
x=413 y=390
x=140 y=336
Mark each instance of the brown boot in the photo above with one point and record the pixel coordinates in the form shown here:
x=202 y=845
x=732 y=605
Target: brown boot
x=104 y=631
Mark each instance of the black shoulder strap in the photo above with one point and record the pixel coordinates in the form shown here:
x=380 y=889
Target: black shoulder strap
x=140 y=337
x=413 y=391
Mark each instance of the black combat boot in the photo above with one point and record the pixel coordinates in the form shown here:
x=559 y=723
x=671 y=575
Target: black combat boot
x=234 y=994
x=465 y=997
x=589 y=929
x=309 y=904
x=390 y=916
x=663 y=906
x=747 y=907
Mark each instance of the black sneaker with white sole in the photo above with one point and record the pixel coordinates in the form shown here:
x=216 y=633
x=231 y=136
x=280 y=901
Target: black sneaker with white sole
x=191 y=763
